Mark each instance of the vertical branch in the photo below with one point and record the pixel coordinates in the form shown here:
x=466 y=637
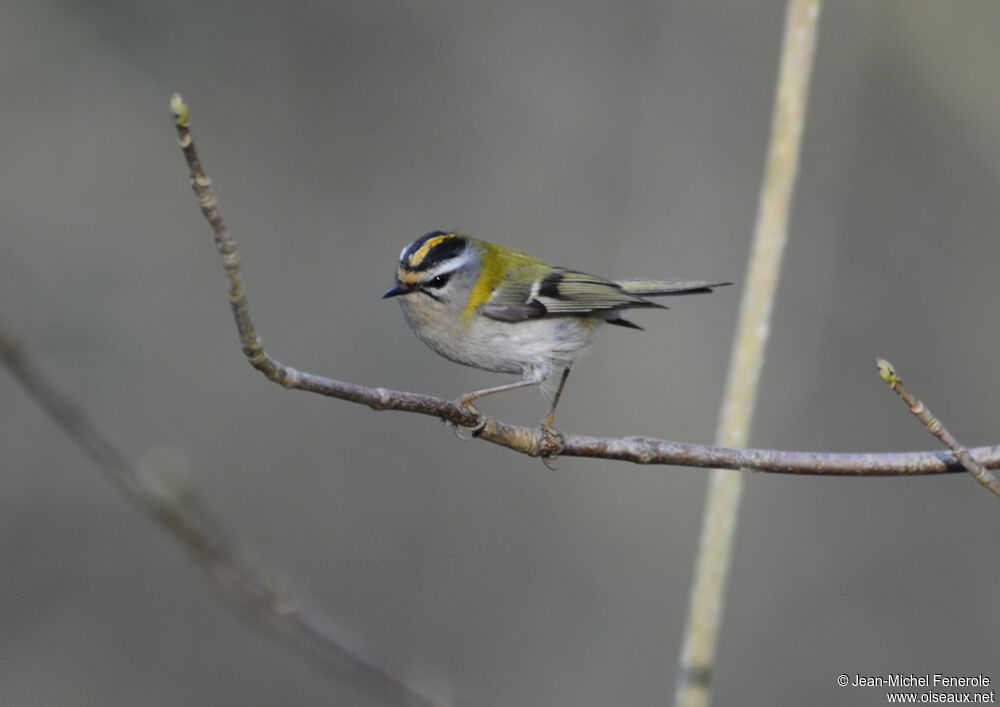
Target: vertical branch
x=722 y=507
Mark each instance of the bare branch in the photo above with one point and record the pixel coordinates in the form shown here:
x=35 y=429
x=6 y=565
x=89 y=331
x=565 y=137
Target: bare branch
x=185 y=517
x=532 y=441
x=887 y=372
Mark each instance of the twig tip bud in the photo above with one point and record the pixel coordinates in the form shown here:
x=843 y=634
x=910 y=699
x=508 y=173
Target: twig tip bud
x=886 y=371
x=179 y=109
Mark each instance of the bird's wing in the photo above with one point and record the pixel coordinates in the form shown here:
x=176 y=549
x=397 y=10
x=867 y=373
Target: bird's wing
x=560 y=292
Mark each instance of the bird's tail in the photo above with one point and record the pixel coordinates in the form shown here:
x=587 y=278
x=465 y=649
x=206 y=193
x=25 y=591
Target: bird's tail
x=657 y=288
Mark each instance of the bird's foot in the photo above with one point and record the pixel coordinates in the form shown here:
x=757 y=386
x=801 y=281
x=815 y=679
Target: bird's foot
x=467 y=433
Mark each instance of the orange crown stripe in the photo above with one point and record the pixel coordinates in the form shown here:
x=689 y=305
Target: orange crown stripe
x=418 y=257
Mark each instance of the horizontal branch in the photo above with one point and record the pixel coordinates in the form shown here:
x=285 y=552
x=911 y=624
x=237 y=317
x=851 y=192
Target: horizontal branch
x=639 y=450
x=535 y=441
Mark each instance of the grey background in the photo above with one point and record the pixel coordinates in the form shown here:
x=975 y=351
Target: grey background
x=625 y=138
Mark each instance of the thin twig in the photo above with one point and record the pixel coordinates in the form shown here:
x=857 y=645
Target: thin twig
x=182 y=514
x=887 y=373
x=640 y=450
x=770 y=235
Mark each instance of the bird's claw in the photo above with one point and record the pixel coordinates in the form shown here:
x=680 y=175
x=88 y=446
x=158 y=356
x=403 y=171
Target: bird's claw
x=551 y=442
x=467 y=433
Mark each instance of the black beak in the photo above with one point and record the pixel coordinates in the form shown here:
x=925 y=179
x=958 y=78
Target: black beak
x=398 y=289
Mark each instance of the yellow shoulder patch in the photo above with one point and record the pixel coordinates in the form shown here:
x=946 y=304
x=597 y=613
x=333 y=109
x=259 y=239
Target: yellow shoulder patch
x=492 y=273
x=497 y=263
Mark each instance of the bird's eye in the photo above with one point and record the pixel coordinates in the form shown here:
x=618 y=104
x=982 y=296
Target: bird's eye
x=438 y=282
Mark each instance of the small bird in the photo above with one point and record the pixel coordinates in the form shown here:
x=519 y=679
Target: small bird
x=496 y=308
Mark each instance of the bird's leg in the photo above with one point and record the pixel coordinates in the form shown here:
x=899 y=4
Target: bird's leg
x=550 y=440
x=469 y=397
x=547 y=422
x=466 y=399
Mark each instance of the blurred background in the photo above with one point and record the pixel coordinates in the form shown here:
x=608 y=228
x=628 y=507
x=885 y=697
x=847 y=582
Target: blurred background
x=623 y=138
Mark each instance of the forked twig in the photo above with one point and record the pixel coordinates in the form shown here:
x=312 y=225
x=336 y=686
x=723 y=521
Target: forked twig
x=640 y=450
x=887 y=372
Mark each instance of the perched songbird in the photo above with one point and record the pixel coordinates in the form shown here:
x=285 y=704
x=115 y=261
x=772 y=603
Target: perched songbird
x=496 y=308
